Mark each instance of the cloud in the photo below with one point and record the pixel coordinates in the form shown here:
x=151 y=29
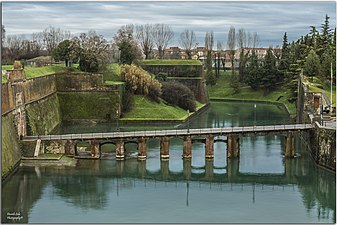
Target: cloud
x=269 y=19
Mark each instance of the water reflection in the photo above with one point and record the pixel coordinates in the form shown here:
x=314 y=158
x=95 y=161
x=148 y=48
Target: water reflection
x=89 y=186
x=259 y=187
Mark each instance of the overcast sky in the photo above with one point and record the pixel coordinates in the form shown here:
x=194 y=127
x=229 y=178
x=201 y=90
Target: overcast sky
x=269 y=19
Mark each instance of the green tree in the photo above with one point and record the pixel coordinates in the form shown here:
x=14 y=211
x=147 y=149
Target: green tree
x=252 y=72
x=62 y=52
x=325 y=68
x=324 y=38
x=292 y=81
x=129 y=50
x=312 y=64
x=269 y=71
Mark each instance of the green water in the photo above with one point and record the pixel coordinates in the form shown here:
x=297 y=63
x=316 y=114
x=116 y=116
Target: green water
x=260 y=187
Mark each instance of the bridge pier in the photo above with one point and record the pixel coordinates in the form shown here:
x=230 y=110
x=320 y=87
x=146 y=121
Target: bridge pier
x=209 y=147
x=187 y=168
x=232 y=168
x=233 y=146
x=187 y=148
x=289 y=145
x=164 y=168
x=120 y=150
x=209 y=168
x=95 y=150
x=141 y=148
x=164 y=148
x=69 y=147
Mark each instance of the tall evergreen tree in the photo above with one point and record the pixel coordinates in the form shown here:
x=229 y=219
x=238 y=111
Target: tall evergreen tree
x=312 y=64
x=285 y=57
x=269 y=71
x=253 y=72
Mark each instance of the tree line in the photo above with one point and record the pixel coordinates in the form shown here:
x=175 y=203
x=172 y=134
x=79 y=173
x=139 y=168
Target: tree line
x=313 y=53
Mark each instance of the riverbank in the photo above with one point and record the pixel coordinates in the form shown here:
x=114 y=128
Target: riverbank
x=146 y=110
x=48 y=160
x=223 y=91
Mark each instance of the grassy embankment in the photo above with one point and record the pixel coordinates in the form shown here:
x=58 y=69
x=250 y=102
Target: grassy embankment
x=32 y=72
x=316 y=85
x=145 y=109
x=223 y=91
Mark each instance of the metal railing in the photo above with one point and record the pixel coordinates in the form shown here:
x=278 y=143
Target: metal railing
x=176 y=132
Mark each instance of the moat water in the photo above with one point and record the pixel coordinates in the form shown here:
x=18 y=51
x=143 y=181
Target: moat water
x=259 y=187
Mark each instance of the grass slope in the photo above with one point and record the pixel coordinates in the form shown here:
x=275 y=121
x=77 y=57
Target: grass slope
x=172 y=62
x=32 y=72
x=145 y=109
x=222 y=90
x=316 y=85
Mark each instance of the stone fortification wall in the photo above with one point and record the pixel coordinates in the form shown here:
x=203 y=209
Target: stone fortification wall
x=10 y=148
x=323 y=146
x=33 y=107
x=79 y=82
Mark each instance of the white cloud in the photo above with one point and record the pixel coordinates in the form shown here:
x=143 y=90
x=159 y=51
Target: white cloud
x=269 y=19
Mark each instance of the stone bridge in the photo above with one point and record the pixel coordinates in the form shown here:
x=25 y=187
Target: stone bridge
x=230 y=135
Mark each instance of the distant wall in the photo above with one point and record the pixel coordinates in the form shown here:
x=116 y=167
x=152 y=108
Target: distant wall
x=176 y=70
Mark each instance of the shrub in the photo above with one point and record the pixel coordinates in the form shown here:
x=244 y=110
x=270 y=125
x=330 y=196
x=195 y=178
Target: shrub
x=139 y=81
x=178 y=94
x=161 y=76
x=89 y=64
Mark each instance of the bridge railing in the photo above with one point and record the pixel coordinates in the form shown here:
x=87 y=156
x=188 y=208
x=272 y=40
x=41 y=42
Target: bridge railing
x=176 y=132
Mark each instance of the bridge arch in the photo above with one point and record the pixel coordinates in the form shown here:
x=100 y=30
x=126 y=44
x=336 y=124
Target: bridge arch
x=107 y=149
x=82 y=148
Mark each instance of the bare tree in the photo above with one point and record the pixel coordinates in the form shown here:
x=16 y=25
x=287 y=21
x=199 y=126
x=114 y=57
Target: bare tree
x=15 y=46
x=242 y=43
x=3 y=34
x=242 y=39
x=53 y=36
x=162 y=36
x=92 y=50
x=253 y=40
x=188 y=41
x=145 y=34
x=209 y=42
x=37 y=39
x=221 y=50
x=256 y=40
x=231 y=46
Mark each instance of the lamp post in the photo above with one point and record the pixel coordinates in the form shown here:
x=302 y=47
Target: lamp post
x=331 y=76
x=254 y=115
x=188 y=121
x=117 y=115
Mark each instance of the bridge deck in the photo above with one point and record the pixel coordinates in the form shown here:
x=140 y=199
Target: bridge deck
x=246 y=130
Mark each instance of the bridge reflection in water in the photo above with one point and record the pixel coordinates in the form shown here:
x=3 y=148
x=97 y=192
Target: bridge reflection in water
x=114 y=177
